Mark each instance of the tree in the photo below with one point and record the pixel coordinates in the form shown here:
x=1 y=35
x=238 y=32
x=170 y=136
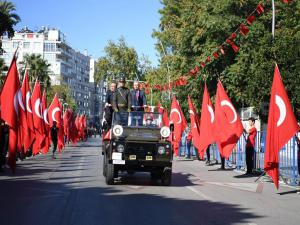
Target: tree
x=8 y=19
x=119 y=59
x=191 y=30
x=64 y=93
x=3 y=69
x=38 y=69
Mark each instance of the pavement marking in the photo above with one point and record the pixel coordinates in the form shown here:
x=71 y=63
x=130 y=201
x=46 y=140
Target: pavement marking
x=251 y=187
x=199 y=193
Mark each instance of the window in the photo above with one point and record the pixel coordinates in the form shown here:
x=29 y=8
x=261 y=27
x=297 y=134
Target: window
x=15 y=44
x=49 y=47
x=36 y=45
x=26 y=44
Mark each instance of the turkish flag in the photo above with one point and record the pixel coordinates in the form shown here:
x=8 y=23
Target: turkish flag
x=227 y=124
x=38 y=120
x=10 y=109
x=206 y=122
x=165 y=118
x=282 y=126
x=160 y=109
x=55 y=114
x=66 y=119
x=195 y=124
x=177 y=118
x=46 y=143
x=77 y=126
x=26 y=136
x=28 y=141
x=61 y=136
x=72 y=128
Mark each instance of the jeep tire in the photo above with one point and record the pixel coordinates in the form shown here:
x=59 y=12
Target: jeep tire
x=166 y=178
x=110 y=174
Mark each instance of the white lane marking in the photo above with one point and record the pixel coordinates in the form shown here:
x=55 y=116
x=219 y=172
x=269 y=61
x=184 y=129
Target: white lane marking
x=252 y=187
x=199 y=193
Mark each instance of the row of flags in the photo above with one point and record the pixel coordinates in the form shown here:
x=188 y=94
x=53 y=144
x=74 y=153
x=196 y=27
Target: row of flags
x=30 y=120
x=221 y=124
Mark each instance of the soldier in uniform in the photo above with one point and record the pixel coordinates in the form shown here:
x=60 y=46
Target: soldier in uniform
x=108 y=110
x=122 y=100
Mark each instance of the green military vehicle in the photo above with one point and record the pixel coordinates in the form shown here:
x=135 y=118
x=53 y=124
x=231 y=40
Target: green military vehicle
x=138 y=142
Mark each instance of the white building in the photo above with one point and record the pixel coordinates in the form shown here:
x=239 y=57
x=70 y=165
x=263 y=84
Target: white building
x=68 y=66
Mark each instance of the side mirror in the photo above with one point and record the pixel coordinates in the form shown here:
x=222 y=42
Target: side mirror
x=171 y=127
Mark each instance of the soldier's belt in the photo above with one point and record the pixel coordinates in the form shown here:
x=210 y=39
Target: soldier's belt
x=121 y=105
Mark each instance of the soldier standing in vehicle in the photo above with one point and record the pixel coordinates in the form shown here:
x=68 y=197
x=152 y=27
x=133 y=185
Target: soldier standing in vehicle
x=108 y=110
x=122 y=100
x=139 y=103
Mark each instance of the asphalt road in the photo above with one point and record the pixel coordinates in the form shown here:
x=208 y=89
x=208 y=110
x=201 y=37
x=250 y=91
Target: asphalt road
x=72 y=191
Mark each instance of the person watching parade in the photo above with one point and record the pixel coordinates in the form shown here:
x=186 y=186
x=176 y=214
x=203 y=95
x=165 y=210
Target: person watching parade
x=250 y=145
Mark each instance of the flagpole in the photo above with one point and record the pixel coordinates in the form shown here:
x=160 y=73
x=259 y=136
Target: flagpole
x=273 y=19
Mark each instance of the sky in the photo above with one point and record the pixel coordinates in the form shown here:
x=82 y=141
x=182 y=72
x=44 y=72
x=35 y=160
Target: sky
x=90 y=24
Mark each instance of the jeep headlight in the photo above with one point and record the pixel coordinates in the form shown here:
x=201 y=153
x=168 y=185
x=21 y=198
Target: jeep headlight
x=165 y=132
x=161 y=150
x=120 y=148
x=118 y=130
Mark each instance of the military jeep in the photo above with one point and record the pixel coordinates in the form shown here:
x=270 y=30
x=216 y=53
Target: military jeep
x=139 y=142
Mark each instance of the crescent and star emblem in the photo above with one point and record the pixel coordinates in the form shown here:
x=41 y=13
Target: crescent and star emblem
x=20 y=100
x=176 y=111
x=55 y=110
x=37 y=108
x=45 y=116
x=227 y=103
x=282 y=109
x=27 y=102
x=211 y=112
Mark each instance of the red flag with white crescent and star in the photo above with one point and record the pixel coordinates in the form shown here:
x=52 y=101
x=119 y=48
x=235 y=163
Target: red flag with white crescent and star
x=10 y=109
x=206 y=122
x=227 y=124
x=46 y=143
x=27 y=127
x=282 y=126
x=177 y=118
x=195 y=124
x=54 y=112
x=38 y=120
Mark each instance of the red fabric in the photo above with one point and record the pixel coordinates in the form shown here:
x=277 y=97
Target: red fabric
x=107 y=136
x=46 y=143
x=227 y=124
x=9 y=109
x=54 y=112
x=166 y=120
x=244 y=30
x=189 y=137
x=206 y=123
x=177 y=118
x=27 y=129
x=260 y=9
x=29 y=116
x=233 y=45
x=250 y=19
x=251 y=137
x=282 y=126
x=61 y=137
x=216 y=55
x=195 y=123
x=38 y=120
x=160 y=109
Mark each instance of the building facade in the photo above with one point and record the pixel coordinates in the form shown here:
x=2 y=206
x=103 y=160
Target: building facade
x=67 y=66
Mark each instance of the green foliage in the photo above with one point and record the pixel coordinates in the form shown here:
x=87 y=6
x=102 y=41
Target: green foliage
x=38 y=69
x=63 y=93
x=3 y=69
x=8 y=18
x=119 y=59
x=191 y=30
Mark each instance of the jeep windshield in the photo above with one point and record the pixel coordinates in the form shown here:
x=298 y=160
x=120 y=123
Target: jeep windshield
x=138 y=119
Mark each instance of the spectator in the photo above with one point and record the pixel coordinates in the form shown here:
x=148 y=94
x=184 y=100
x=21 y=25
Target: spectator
x=189 y=138
x=250 y=145
x=54 y=133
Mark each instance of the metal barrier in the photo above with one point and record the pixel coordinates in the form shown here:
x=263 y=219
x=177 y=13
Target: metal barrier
x=288 y=166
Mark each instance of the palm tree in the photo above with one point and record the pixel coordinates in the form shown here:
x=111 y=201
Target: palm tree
x=8 y=19
x=38 y=69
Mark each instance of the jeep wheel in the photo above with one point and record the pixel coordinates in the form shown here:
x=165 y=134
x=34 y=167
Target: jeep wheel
x=155 y=175
x=104 y=165
x=166 y=177
x=110 y=174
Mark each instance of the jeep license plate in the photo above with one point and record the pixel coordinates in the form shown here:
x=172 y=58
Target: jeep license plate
x=132 y=157
x=148 y=158
x=119 y=162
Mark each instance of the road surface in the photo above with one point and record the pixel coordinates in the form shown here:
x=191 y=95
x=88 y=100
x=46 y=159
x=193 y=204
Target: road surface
x=71 y=190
